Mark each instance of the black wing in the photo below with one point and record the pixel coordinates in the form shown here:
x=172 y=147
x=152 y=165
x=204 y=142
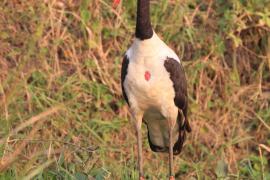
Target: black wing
x=177 y=75
x=123 y=76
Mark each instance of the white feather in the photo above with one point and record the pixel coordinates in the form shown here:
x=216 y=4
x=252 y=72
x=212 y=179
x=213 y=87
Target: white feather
x=154 y=98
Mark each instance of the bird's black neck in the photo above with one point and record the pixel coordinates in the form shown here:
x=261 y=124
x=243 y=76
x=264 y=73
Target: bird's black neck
x=143 y=25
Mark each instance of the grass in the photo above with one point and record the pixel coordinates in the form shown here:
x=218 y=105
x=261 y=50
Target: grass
x=62 y=114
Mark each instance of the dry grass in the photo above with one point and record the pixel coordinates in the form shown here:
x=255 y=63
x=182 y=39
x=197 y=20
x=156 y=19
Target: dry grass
x=61 y=111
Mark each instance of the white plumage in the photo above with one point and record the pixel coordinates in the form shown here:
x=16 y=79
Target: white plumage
x=154 y=99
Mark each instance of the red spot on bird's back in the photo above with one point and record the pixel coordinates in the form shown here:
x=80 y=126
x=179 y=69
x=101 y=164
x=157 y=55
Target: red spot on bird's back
x=147 y=75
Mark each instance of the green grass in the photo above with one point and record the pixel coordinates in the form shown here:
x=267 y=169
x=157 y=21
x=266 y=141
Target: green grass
x=61 y=111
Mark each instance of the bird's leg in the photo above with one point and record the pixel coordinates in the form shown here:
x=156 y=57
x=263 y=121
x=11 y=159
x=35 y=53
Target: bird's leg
x=140 y=157
x=138 y=124
x=171 y=152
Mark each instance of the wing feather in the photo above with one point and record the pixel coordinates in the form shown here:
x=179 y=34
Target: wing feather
x=177 y=76
x=124 y=71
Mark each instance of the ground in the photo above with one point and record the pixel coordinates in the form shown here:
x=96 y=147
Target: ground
x=61 y=110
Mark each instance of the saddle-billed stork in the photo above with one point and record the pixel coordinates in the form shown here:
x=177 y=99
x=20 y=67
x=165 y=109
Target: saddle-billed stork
x=155 y=88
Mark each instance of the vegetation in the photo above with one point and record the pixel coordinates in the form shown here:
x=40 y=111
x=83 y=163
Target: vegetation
x=61 y=110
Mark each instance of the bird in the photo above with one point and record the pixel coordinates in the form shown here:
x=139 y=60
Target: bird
x=154 y=86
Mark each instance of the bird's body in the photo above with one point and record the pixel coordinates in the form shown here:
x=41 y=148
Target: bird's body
x=154 y=98
x=154 y=86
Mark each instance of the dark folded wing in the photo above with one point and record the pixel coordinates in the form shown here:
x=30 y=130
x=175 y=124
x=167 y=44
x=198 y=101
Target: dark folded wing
x=124 y=71
x=177 y=76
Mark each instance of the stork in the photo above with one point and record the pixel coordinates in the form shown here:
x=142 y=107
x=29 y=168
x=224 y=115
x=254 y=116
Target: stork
x=155 y=88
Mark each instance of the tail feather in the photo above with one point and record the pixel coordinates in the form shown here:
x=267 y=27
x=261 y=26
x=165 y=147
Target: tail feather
x=154 y=147
x=184 y=127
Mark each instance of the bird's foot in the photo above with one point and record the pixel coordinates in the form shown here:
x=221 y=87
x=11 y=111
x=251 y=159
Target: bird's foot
x=141 y=178
x=172 y=178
